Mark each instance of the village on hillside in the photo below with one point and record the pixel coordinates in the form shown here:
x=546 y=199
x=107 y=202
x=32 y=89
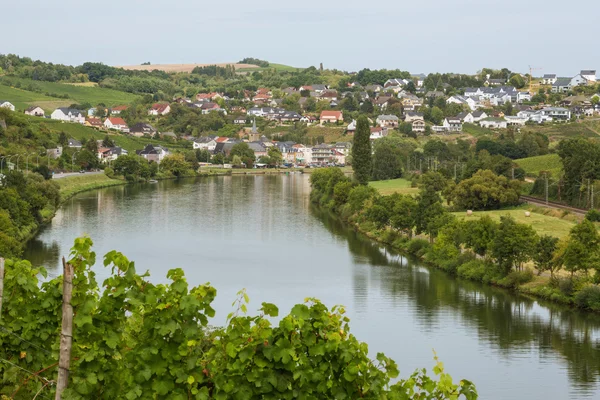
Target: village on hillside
x=398 y=105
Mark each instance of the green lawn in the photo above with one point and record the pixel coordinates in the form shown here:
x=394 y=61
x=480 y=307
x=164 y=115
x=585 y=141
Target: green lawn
x=77 y=94
x=476 y=130
x=22 y=99
x=72 y=185
x=543 y=224
x=564 y=130
x=401 y=186
x=548 y=162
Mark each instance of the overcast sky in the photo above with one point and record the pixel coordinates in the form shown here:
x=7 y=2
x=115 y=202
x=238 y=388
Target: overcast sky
x=418 y=36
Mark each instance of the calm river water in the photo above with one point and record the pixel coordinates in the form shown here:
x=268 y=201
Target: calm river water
x=261 y=233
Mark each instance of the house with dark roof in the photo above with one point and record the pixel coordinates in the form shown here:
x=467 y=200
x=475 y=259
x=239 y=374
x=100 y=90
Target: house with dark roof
x=549 y=79
x=153 y=153
x=388 y=121
x=452 y=124
x=205 y=143
x=142 y=129
x=35 y=111
x=561 y=85
x=589 y=75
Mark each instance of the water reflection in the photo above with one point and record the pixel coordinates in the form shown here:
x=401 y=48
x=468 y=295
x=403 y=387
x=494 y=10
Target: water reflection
x=506 y=320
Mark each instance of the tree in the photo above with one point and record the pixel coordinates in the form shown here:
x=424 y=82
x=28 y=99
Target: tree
x=543 y=255
x=275 y=157
x=386 y=161
x=361 y=151
x=244 y=152
x=404 y=214
x=437 y=116
x=367 y=107
x=480 y=235
x=108 y=142
x=484 y=191
x=517 y=81
x=514 y=244
x=176 y=165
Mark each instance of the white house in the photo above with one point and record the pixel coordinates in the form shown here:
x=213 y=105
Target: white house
x=548 y=79
x=561 y=85
x=515 y=120
x=159 y=109
x=35 y=111
x=493 y=123
x=523 y=96
x=390 y=121
x=116 y=123
x=452 y=124
x=471 y=92
x=556 y=113
x=471 y=102
x=579 y=80
x=589 y=75
x=418 y=126
x=205 y=143
x=7 y=104
x=68 y=115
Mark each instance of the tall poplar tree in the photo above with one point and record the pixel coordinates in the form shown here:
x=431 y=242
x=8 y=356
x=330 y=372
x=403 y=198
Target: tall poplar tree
x=361 y=151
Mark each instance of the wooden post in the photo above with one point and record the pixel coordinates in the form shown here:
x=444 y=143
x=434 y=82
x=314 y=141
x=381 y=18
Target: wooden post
x=1 y=284
x=66 y=333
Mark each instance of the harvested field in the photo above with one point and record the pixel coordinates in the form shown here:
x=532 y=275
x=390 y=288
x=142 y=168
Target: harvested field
x=182 y=67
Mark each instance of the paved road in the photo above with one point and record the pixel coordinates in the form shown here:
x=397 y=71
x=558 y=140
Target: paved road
x=64 y=175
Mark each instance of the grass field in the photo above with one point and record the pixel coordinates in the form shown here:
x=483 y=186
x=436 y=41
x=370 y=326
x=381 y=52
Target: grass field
x=22 y=99
x=72 y=185
x=476 y=130
x=186 y=67
x=278 y=67
x=565 y=130
x=76 y=93
x=543 y=224
x=548 y=162
x=401 y=186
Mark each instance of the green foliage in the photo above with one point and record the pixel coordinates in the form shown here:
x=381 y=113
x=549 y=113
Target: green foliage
x=132 y=167
x=514 y=244
x=484 y=191
x=361 y=151
x=543 y=255
x=244 y=152
x=588 y=298
x=359 y=195
x=176 y=165
x=135 y=339
x=255 y=61
x=386 y=160
x=593 y=215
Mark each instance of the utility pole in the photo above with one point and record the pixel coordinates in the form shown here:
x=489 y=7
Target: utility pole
x=66 y=333
x=546 y=175
x=591 y=188
x=1 y=284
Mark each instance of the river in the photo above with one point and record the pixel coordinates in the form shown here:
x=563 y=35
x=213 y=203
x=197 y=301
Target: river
x=262 y=234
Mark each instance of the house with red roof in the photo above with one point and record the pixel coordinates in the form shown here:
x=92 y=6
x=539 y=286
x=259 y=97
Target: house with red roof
x=331 y=117
x=116 y=123
x=208 y=96
x=116 y=110
x=159 y=109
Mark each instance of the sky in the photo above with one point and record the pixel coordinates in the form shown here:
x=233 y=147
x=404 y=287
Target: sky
x=418 y=36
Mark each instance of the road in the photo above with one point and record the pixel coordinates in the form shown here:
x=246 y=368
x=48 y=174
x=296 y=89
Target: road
x=67 y=174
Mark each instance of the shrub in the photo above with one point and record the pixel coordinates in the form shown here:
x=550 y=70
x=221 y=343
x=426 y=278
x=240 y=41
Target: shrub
x=589 y=298
x=109 y=172
x=474 y=270
x=417 y=246
x=593 y=215
x=517 y=278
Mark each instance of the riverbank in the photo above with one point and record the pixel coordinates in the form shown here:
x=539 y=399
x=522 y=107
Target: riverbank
x=497 y=254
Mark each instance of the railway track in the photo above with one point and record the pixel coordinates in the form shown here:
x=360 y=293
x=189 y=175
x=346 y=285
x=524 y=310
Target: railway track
x=552 y=204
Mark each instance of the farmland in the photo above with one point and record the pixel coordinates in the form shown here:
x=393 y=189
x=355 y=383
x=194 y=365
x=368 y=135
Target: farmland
x=543 y=224
x=185 y=67
x=533 y=165
x=76 y=94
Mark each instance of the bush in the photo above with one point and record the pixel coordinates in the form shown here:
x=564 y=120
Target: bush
x=517 y=278
x=593 y=215
x=474 y=270
x=417 y=247
x=109 y=172
x=589 y=298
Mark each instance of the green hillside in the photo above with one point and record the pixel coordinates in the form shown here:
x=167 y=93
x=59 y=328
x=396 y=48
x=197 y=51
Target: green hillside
x=548 y=162
x=75 y=93
x=78 y=131
x=22 y=99
x=278 y=67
